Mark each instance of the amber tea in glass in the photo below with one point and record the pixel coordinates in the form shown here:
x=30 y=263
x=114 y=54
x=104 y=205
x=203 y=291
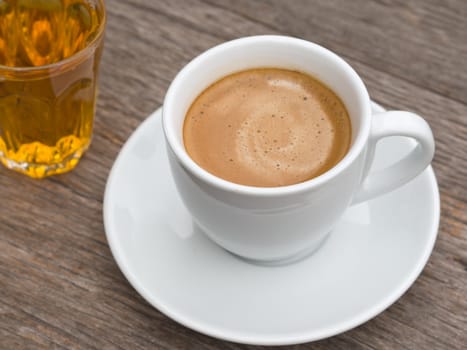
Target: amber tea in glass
x=49 y=58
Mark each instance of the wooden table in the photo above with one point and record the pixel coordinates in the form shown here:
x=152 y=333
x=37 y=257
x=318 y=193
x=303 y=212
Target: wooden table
x=59 y=285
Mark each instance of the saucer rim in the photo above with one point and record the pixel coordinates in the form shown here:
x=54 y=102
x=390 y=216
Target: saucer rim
x=266 y=340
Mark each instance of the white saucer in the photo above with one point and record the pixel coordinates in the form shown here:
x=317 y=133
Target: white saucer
x=372 y=257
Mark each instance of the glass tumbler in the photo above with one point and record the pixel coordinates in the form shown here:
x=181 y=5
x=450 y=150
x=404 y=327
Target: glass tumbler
x=49 y=59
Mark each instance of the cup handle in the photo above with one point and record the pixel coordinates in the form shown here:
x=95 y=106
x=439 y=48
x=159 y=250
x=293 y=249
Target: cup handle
x=396 y=123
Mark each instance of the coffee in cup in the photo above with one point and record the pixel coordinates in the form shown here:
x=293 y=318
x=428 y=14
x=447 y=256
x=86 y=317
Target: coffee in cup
x=267 y=127
x=268 y=223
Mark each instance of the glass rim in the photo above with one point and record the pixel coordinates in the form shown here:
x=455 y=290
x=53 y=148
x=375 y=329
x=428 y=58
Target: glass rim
x=68 y=60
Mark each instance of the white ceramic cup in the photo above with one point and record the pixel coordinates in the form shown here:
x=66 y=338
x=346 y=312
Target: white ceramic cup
x=282 y=224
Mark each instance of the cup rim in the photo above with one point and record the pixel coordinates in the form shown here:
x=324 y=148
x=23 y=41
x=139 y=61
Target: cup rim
x=193 y=168
x=81 y=54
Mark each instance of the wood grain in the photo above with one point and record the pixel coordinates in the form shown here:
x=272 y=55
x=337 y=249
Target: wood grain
x=59 y=285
